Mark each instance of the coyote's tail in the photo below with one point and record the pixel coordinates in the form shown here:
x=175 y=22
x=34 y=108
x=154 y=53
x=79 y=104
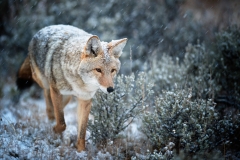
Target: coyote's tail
x=24 y=75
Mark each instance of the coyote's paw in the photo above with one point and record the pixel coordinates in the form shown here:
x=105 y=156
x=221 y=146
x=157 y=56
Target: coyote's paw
x=80 y=145
x=59 y=128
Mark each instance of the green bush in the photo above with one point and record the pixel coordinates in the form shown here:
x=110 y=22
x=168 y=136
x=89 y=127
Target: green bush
x=178 y=119
x=194 y=126
x=228 y=63
x=114 y=112
x=195 y=71
x=165 y=73
x=211 y=73
x=200 y=71
x=215 y=74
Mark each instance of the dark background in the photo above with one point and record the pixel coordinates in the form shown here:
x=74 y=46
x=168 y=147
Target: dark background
x=153 y=27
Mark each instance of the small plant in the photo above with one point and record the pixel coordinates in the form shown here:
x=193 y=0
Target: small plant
x=114 y=112
x=176 y=118
x=228 y=62
x=200 y=71
x=164 y=73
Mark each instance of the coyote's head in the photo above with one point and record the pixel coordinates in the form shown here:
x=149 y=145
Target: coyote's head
x=100 y=63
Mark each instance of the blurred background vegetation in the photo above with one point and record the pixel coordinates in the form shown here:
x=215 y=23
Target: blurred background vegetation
x=185 y=43
x=152 y=27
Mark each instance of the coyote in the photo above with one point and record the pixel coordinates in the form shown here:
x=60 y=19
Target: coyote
x=66 y=61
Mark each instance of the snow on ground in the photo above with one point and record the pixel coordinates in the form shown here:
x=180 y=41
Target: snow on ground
x=26 y=132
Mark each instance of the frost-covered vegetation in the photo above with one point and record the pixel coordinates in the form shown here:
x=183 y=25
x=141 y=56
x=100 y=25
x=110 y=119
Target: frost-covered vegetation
x=115 y=112
x=192 y=126
x=177 y=96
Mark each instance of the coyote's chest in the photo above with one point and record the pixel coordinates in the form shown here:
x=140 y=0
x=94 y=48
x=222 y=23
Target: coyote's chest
x=78 y=93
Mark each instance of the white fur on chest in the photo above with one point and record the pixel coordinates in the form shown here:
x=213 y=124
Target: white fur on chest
x=80 y=94
x=84 y=91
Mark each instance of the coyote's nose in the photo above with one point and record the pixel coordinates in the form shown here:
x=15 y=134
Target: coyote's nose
x=110 y=89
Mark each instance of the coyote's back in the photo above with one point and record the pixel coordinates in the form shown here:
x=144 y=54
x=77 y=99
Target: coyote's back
x=66 y=61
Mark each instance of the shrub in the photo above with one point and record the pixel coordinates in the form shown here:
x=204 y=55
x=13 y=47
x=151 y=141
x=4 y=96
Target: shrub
x=205 y=70
x=114 y=112
x=200 y=71
x=197 y=71
x=165 y=73
x=194 y=126
x=215 y=74
x=228 y=63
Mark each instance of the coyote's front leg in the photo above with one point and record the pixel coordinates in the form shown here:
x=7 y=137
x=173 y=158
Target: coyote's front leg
x=57 y=99
x=49 y=105
x=84 y=107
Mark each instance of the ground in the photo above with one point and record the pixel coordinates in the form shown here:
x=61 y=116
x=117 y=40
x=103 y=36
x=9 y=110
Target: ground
x=26 y=132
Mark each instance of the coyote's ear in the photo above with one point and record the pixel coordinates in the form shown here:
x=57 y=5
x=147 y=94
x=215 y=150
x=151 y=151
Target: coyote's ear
x=116 y=47
x=93 y=46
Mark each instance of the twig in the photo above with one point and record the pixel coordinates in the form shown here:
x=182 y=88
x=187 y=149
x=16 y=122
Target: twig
x=10 y=125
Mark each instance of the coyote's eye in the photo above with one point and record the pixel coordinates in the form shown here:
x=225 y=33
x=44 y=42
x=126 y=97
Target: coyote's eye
x=113 y=70
x=98 y=70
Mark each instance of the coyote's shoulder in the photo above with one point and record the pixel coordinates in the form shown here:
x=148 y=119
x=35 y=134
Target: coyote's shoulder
x=66 y=61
